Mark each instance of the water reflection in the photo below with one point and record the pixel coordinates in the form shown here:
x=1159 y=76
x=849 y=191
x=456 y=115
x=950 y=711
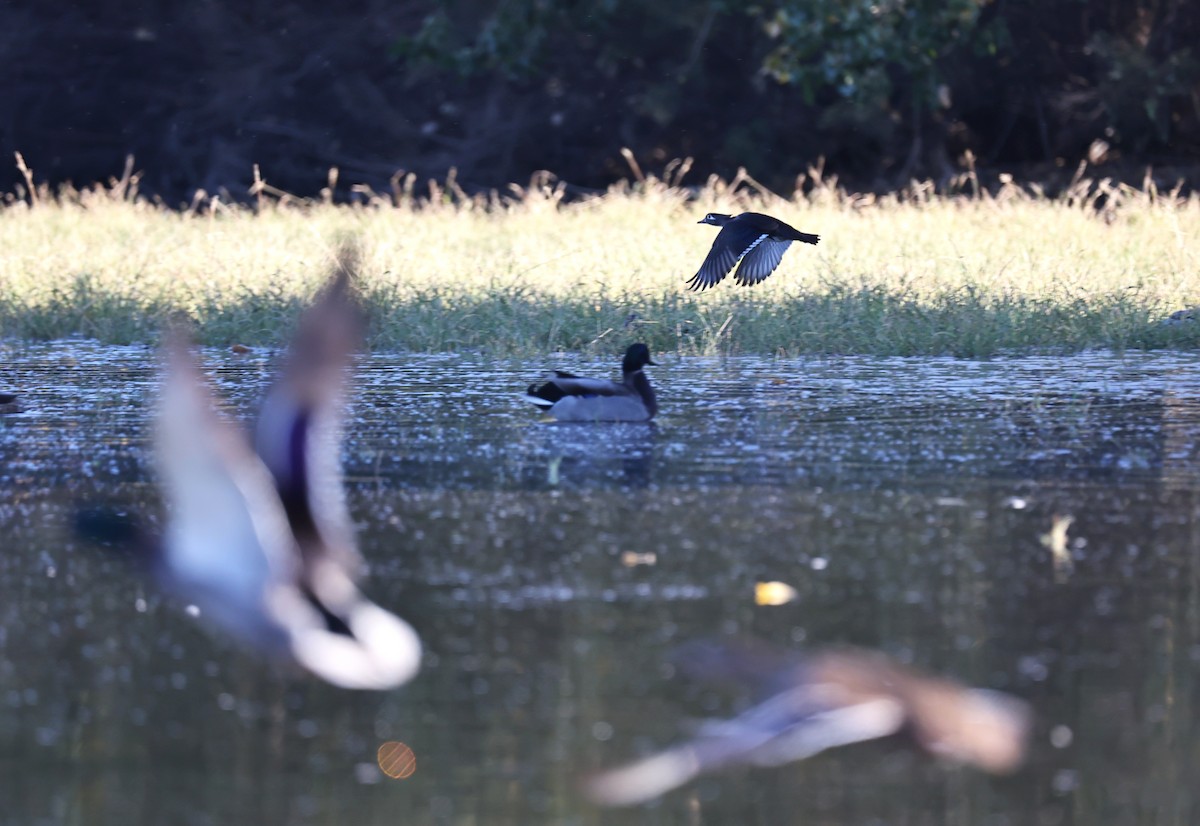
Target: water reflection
x=904 y=500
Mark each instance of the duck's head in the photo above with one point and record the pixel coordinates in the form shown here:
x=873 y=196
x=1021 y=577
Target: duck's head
x=636 y=357
x=717 y=219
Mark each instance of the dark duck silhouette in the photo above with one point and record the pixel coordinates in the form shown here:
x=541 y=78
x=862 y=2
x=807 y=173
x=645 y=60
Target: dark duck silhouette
x=259 y=538
x=816 y=702
x=755 y=240
x=571 y=398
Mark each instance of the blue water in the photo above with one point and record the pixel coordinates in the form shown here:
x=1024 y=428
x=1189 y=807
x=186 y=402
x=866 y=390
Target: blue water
x=550 y=569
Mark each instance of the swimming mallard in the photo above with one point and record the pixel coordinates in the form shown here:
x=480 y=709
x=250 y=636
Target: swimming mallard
x=571 y=398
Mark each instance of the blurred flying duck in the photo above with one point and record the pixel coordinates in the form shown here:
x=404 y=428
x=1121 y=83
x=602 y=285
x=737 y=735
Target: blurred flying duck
x=816 y=702
x=570 y=398
x=260 y=538
x=758 y=241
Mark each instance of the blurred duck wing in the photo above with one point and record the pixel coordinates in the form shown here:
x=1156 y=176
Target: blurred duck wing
x=227 y=535
x=299 y=430
x=817 y=702
x=790 y=726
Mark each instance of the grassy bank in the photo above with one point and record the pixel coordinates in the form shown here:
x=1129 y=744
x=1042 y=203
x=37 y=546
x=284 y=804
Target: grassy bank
x=904 y=275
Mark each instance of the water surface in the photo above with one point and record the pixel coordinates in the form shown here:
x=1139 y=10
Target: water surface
x=550 y=569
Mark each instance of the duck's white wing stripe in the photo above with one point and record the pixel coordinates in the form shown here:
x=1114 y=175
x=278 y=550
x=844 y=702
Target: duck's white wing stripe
x=761 y=260
x=753 y=244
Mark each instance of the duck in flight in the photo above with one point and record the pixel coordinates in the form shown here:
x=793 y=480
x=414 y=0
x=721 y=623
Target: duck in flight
x=258 y=536
x=755 y=240
x=571 y=398
x=819 y=701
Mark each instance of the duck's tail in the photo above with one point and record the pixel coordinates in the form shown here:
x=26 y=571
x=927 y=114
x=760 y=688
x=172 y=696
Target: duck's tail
x=544 y=395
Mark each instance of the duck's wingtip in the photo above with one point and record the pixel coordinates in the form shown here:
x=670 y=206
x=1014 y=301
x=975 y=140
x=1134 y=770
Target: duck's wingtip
x=383 y=653
x=535 y=400
x=642 y=780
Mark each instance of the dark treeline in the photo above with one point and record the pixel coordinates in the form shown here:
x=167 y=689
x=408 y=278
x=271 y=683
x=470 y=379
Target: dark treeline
x=201 y=90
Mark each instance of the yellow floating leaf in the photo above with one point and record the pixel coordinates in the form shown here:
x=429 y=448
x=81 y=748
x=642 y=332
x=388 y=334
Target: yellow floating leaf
x=773 y=593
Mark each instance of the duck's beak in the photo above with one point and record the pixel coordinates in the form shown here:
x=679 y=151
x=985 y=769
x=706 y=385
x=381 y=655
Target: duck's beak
x=702 y=221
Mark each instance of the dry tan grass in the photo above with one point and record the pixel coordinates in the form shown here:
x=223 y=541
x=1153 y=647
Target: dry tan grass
x=910 y=273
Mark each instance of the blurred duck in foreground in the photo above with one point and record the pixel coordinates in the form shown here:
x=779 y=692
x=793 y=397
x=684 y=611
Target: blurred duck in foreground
x=819 y=701
x=260 y=539
x=571 y=398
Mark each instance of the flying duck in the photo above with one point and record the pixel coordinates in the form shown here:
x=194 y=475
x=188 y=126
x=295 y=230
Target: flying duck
x=758 y=241
x=258 y=536
x=816 y=702
x=571 y=398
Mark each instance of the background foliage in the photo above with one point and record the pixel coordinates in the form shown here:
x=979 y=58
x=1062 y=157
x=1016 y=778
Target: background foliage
x=200 y=92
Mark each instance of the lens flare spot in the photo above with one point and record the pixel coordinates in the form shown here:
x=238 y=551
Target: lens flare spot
x=396 y=760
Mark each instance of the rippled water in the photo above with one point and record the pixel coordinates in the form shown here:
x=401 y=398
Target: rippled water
x=550 y=569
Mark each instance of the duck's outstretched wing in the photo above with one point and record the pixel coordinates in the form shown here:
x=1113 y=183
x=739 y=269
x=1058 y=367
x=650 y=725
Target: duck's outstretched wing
x=227 y=533
x=352 y=643
x=238 y=552
x=734 y=241
x=299 y=429
x=790 y=726
x=760 y=261
x=826 y=699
